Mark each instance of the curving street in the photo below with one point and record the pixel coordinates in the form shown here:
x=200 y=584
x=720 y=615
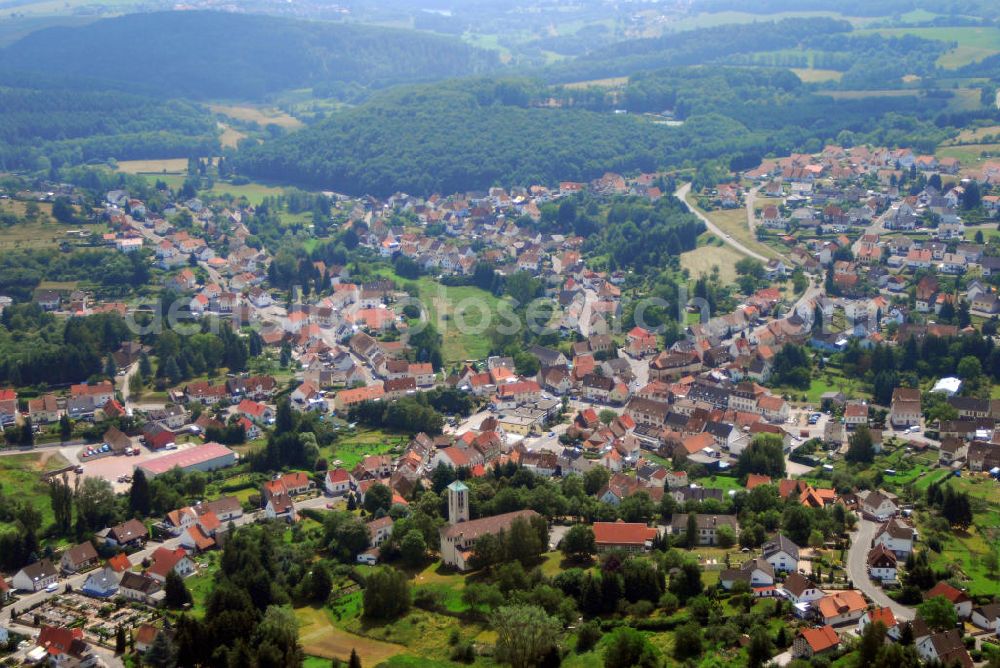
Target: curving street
x=681 y=194
x=857 y=569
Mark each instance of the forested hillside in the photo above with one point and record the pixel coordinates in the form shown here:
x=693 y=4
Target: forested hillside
x=57 y=125
x=693 y=47
x=449 y=138
x=470 y=134
x=208 y=55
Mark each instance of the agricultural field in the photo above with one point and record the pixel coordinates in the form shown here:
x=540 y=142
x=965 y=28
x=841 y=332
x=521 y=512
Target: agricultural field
x=973 y=135
x=262 y=116
x=974 y=42
x=166 y=166
x=810 y=75
x=611 y=82
x=230 y=137
x=710 y=20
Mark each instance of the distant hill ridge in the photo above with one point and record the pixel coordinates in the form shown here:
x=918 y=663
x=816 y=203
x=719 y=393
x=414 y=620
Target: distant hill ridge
x=216 y=55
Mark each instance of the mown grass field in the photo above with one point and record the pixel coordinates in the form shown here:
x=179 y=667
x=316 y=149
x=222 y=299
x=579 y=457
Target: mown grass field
x=970 y=154
x=701 y=260
x=322 y=638
x=734 y=223
x=830 y=379
x=254 y=192
x=166 y=166
x=262 y=116
x=462 y=315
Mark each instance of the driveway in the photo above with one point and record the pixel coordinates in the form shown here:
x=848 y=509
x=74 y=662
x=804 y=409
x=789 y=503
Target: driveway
x=857 y=569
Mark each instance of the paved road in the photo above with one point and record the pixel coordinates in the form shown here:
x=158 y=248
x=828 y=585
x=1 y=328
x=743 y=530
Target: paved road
x=877 y=227
x=857 y=569
x=681 y=194
x=589 y=299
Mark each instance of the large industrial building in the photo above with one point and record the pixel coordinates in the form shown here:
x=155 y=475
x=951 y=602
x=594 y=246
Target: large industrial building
x=207 y=457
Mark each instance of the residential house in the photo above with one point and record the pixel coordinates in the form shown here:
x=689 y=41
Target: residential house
x=810 y=642
x=878 y=505
x=755 y=572
x=142 y=588
x=897 y=536
x=881 y=564
x=958 y=598
x=163 y=560
x=127 y=535
x=782 y=553
x=66 y=648
x=841 y=607
x=79 y=557
x=801 y=590
x=946 y=647
x=35 y=577
x=339 y=482
x=905 y=409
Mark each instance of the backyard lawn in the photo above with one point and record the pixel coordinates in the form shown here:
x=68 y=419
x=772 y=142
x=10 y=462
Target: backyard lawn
x=355 y=447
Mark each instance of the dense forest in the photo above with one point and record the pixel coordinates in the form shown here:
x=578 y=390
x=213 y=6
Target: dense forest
x=209 y=55
x=23 y=270
x=56 y=123
x=474 y=133
x=456 y=137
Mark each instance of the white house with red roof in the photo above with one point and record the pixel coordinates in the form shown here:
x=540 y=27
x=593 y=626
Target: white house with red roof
x=255 y=411
x=339 y=482
x=640 y=342
x=164 y=560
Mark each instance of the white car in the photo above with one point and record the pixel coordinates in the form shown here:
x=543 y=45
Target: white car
x=52 y=587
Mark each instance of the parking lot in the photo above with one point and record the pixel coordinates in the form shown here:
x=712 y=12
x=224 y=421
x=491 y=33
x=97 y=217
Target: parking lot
x=114 y=467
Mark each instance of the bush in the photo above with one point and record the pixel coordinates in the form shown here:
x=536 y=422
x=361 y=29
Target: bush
x=587 y=637
x=463 y=652
x=669 y=603
x=640 y=609
x=430 y=600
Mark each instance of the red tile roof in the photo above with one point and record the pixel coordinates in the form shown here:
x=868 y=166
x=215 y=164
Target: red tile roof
x=623 y=533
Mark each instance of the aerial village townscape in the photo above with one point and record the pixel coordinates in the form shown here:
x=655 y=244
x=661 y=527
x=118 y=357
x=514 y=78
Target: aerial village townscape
x=709 y=445
x=580 y=334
